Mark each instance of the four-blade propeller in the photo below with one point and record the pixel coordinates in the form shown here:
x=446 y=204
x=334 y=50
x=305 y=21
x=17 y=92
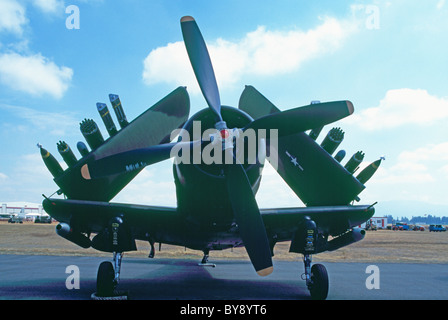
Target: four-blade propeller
x=241 y=196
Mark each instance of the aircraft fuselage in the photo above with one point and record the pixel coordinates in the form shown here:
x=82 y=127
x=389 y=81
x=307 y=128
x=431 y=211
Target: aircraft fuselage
x=202 y=196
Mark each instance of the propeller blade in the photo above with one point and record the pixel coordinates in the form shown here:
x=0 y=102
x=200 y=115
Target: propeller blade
x=303 y=118
x=131 y=160
x=201 y=63
x=248 y=218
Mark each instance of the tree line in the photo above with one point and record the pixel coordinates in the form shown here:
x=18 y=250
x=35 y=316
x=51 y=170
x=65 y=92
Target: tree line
x=426 y=219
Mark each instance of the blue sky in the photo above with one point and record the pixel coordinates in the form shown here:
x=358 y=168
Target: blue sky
x=387 y=57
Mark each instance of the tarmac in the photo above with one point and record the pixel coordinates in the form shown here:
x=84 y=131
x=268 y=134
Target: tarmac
x=31 y=277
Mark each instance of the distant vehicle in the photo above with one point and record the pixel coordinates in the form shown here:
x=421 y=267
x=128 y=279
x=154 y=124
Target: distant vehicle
x=436 y=228
x=18 y=218
x=43 y=219
x=15 y=219
x=418 y=228
x=400 y=226
x=371 y=225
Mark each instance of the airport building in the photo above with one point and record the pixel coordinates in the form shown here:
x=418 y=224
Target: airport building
x=30 y=211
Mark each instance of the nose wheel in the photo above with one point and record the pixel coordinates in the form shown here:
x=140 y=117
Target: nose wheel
x=107 y=280
x=316 y=278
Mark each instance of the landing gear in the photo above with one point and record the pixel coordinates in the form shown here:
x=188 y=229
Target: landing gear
x=308 y=241
x=204 y=262
x=108 y=278
x=116 y=238
x=105 y=284
x=316 y=278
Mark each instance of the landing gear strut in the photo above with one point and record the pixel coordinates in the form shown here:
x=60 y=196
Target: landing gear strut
x=115 y=238
x=307 y=241
x=316 y=278
x=108 y=278
x=204 y=262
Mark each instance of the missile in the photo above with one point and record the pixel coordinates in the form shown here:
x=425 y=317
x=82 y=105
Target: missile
x=107 y=119
x=333 y=140
x=116 y=104
x=369 y=171
x=354 y=162
x=52 y=164
x=67 y=153
x=91 y=133
x=82 y=148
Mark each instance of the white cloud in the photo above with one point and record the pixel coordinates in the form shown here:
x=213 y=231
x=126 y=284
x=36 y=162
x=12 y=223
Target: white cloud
x=153 y=186
x=54 y=123
x=274 y=192
x=419 y=174
x=401 y=107
x=34 y=74
x=28 y=180
x=444 y=170
x=49 y=6
x=418 y=166
x=433 y=152
x=12 y=16
x=261 y=52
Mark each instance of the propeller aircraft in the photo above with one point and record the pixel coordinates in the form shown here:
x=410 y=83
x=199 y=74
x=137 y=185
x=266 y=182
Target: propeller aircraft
x=216 y=205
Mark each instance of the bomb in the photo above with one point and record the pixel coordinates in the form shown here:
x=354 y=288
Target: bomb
x=82 y=148
x=118 y=108
x=340 y=155
x=107 y=119
x=369 y=171
x=51 y=163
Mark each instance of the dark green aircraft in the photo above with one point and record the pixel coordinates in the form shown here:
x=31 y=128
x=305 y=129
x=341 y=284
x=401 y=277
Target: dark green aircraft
x=216 y=206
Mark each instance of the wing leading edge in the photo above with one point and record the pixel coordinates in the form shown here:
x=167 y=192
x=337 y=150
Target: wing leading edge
x=339 y=222
x=92 y=216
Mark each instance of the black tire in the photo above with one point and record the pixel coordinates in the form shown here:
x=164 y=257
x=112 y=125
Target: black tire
x=105 y=279
x=319 y=278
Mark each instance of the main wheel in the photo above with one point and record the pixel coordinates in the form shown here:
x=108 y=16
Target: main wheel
x=319 y=286
x=105 y=279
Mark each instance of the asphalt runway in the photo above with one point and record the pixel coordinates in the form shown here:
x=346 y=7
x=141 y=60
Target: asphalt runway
x=44 y=277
